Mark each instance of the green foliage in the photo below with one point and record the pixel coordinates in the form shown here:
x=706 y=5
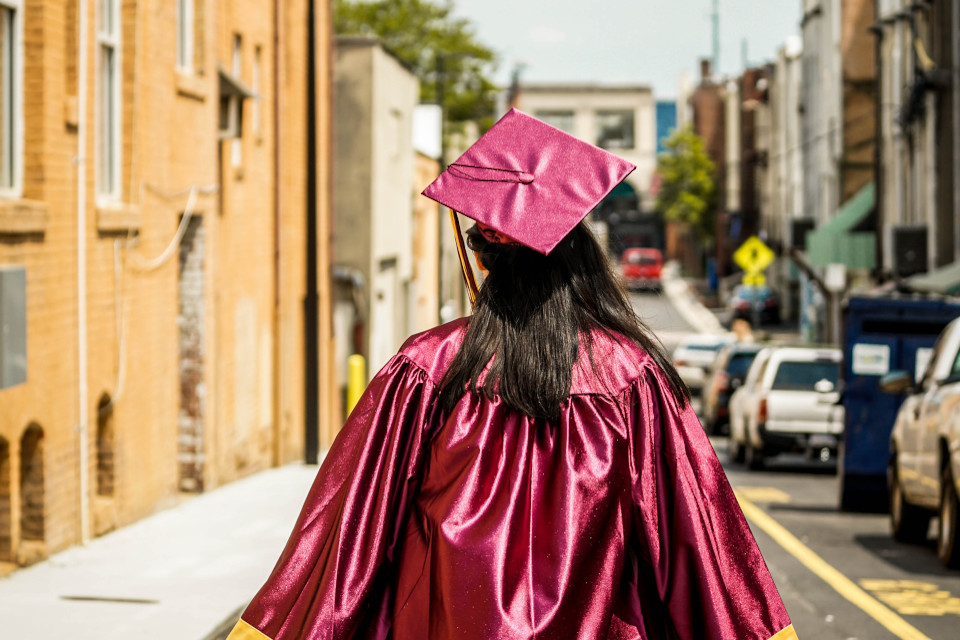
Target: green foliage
x=687 y=183
x=440 y=49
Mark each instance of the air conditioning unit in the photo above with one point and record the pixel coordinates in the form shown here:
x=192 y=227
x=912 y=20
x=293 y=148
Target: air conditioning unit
x=799 y=227
x=909 y=250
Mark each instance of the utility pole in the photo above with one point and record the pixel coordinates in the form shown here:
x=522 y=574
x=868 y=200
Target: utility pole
x=716 y=37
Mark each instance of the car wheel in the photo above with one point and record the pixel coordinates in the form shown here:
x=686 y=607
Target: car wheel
x=754 y=457
x=735 y=451
x=948 y=538
x=908 y=523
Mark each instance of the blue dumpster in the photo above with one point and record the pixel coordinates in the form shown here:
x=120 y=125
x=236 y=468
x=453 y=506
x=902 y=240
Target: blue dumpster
x=881 y=334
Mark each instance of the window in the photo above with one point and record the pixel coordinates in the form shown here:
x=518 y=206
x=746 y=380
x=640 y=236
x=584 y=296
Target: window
x=257 y=116
x=185 y=39
x=803 y=376
x=11 y=95
x=562 y=120
x=615 y=129
x=108 y=99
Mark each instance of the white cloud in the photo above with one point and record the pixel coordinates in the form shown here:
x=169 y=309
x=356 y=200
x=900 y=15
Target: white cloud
x=545 y=34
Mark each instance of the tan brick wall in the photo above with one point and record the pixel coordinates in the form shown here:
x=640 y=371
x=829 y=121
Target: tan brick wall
x=253 y=410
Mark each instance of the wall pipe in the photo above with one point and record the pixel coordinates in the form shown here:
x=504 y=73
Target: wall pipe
x=311 y=301
x=82 y=383
x=955 y=120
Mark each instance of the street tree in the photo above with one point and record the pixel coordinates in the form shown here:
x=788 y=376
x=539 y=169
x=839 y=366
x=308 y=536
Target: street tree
x=442 y=50
x=687 y=183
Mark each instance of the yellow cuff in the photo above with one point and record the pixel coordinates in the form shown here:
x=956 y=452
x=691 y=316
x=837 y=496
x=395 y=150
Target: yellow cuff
x=243 y=631
x=785 y=634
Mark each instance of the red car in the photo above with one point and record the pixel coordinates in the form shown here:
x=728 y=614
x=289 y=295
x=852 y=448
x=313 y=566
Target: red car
x=641 y=268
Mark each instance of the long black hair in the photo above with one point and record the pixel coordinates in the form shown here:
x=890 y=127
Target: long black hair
x=530 y=315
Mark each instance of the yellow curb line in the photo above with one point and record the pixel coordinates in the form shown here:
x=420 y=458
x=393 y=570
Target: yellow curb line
x=840 y=583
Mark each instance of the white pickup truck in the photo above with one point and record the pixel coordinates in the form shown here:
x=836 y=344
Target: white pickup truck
x=924 y=472
x=793 y=405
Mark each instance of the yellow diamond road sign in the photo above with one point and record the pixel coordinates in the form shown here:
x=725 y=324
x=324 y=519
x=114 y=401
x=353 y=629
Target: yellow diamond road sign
x=753 y=256
x=755 y=279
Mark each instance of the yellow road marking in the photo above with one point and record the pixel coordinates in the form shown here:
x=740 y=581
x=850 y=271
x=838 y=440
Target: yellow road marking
x=764 y=494
x=914 y=598
x=839 y=582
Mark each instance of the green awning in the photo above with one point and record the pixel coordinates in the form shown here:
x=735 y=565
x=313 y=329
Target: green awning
x=945 y=280
x=623 y=190
x=838 y=241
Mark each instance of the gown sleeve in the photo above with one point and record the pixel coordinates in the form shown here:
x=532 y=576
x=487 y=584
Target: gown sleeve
x=697 y=572
x=331 y=581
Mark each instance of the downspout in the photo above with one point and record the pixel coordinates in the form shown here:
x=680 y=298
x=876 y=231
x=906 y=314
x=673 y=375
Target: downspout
x=277 y=332
x=311 y=301
x=82 y=400
x=877 y=30
x=955 y=120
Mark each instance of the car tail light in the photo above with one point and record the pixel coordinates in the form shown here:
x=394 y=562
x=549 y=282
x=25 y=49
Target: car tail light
x=762 y=411
x=723 y=381
x=769 y=302
x=743 y=305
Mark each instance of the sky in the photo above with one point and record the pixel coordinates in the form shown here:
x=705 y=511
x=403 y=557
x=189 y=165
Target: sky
x=627 y=41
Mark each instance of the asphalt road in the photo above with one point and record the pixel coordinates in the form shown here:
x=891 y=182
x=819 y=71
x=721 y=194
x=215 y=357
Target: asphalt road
x=841 y=575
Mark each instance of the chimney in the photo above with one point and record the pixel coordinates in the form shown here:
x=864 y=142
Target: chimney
x=705 y=70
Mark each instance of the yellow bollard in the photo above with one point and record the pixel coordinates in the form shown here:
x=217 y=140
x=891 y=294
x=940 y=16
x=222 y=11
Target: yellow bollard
x=356 y=380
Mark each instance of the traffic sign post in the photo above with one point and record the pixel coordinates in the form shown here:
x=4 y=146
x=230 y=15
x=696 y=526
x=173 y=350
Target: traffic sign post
x=754 y=256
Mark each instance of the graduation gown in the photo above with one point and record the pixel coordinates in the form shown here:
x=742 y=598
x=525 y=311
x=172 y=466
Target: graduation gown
x=615 y=523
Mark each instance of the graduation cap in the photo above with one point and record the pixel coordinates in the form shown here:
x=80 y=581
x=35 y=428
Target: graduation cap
x=526 y=182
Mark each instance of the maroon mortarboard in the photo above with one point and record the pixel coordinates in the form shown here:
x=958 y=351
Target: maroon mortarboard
x=529 y=181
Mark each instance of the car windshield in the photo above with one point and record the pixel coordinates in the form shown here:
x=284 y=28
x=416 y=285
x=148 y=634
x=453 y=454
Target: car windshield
x=702 y=347
x=641 y=260
x=753 y=293
x=740 y=363
x=802 y=376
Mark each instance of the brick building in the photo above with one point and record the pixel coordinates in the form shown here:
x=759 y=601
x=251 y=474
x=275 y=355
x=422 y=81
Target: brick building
x=707 y=105
x=154 y=269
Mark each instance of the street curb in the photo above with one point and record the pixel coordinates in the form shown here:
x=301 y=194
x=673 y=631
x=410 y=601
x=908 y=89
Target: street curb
x=677 y=289
x=224 y=628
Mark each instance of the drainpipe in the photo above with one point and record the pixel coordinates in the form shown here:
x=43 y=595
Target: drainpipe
x=82 y=400
x=955 y=120
x=311 y=302
x=878 y=170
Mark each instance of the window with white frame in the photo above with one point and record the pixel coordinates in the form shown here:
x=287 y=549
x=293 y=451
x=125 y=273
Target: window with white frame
x=561 y=119
x=11 y=93
x=108 y=99
x=185 y=35
x=615 y=129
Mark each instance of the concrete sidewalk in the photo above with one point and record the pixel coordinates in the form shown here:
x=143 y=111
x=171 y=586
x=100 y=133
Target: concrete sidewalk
x=176 y=575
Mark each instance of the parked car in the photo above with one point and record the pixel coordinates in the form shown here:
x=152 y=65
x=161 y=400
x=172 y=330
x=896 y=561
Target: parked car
x=729 y=371
x=792 y=405
x=694 y=356
x=924 y=473
x=642 y=268
x=740 y=400
x=753 y=303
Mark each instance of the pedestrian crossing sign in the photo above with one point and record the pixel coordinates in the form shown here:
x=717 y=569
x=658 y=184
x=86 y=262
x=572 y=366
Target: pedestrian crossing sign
x=753 y=256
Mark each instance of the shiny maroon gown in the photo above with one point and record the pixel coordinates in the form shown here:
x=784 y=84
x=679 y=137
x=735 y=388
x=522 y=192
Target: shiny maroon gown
x=618 y=522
